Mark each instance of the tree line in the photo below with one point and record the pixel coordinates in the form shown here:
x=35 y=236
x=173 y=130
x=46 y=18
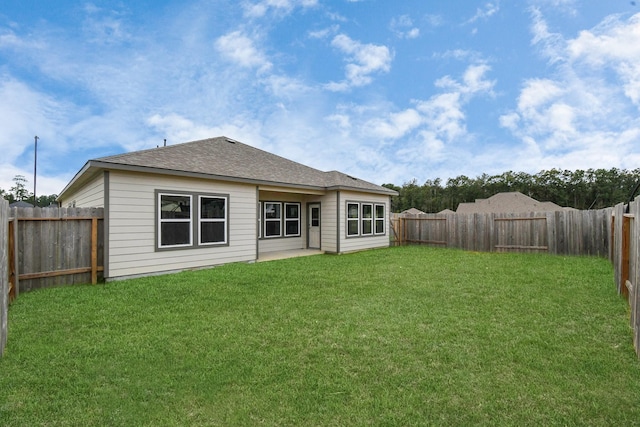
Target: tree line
x=19 y=192
x=580 y=189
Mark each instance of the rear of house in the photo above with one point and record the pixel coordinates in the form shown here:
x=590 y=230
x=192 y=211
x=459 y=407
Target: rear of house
x=216 y=201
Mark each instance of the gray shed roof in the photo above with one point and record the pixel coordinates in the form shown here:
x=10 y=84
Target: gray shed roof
x=226 y=159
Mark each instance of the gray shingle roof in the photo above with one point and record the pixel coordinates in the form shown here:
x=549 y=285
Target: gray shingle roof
x=225 y=158
x=508 y=202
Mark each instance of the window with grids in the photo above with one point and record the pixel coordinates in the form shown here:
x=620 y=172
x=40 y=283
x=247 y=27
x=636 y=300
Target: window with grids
x=353 y=219
x=365 y=219
x=175 y=222
x=191 y=220
x=291 y=219
x=379 y=218
x=272 y=220
x=212 y=220
x=280 y=219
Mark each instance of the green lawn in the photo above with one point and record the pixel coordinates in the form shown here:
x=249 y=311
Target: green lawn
x=394 y=337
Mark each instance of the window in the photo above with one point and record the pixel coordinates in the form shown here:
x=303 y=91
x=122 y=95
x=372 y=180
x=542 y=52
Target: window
x=353 y=219
x=367 y=219
x=181 y=217
x=380 y=217
x=280 y=219
x=291 y=219
x=272 y=219
x=213 y=218
x=175 y=220
x=315 y=217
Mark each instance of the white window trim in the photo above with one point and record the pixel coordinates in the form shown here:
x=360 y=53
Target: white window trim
x=363 y=219
x=265 y=220
x=376 y=218
x=298 y=219
x=357 y=219
x=174 y=220
x=360 y=219
x=222 y=220
x=282 y=220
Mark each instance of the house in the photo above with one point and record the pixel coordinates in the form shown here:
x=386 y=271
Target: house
x=215 y=201
x=412 y=211
x=20 y=204
x=508 y=202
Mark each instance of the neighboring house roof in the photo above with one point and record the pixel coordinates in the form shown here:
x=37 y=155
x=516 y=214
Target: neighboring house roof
x=413 y=211
x=446 y=211
x=509 y=202
x=20 y=204
x=226 y=159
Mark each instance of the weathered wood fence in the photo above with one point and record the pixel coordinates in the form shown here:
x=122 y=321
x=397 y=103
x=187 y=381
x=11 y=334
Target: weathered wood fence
x=625 y=256
x=55 y=246
x=4 y=273
x=561 y=232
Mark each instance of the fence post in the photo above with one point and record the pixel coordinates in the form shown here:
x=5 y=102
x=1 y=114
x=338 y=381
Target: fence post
x=94 y=250
x=626 y=248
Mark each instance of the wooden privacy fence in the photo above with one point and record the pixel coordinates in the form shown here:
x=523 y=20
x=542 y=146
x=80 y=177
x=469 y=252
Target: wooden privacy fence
x=569 y=232
x=4 y=273
x=55 y=246
x=625 y=256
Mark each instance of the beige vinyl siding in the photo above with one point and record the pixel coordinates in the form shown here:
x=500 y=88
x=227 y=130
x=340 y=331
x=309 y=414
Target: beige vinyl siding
x=328 y=231
x=132 y=223
x=281 y=244
x=90 y=195
x=350 y=244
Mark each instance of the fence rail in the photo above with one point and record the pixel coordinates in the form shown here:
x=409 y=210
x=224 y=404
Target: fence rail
x=561 y=232
x=69 y=247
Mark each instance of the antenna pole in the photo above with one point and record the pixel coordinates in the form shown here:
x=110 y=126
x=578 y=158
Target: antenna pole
x=35 y=169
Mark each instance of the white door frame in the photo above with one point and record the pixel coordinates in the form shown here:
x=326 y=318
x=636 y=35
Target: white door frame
x=315 y=229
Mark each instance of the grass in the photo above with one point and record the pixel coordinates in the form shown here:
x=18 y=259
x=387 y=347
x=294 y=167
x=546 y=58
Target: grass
x=400 y=336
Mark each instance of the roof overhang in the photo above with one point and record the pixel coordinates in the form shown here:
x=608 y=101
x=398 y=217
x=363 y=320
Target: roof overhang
x=93 y=167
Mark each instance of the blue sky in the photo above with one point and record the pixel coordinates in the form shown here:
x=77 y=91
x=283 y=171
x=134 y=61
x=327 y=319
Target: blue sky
x=388 y=91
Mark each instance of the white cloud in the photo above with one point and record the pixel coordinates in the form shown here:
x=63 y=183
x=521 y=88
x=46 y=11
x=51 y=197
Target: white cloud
x=324 y=33
x=363 y=60
x=103 y=26
x=612 y=44
x=241 y=49
x=261 y=8
x=403 y=27
x=396 y=125
x=487 y=11
x=581 y=117
x=178 y=129
x=552 y=44
x=425 y=137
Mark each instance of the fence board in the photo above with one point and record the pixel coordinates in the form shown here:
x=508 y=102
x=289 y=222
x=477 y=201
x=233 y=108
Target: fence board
x=59 y=246
x=561 y=232
x=4 y=273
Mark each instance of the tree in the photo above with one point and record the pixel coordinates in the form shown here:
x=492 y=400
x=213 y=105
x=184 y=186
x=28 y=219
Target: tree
x=19 y=189
x=590 y=189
